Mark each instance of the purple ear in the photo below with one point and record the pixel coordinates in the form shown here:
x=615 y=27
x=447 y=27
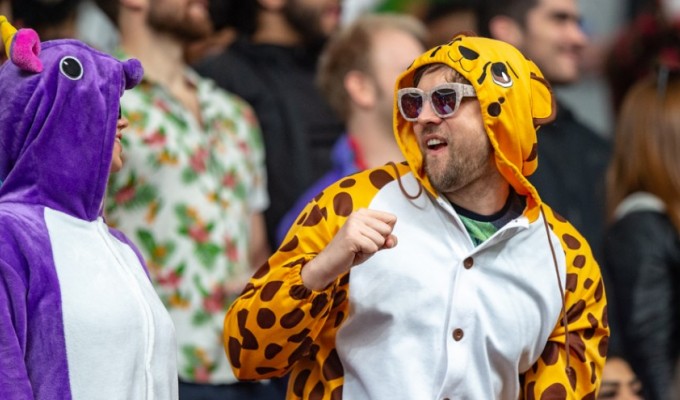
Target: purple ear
x=25 y=50
x=133 y=72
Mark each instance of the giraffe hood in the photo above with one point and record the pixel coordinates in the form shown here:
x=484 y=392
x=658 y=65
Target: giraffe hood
x=514 y=98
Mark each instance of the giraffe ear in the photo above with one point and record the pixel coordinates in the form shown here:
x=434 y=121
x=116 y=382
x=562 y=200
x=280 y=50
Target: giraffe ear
x=543 y=108
x=22 y=46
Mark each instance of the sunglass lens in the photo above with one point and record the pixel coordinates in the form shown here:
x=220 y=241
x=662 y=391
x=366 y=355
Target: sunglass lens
x=411 y=105
x=444 y=101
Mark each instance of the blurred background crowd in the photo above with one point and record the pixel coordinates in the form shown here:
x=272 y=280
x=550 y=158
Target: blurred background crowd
x=250 y=107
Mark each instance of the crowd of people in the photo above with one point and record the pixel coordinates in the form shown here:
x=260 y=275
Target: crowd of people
x=264 y=199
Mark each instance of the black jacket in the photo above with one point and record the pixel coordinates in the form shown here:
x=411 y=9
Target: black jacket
x=298 y=126
x=642 y=277
x=572 y=159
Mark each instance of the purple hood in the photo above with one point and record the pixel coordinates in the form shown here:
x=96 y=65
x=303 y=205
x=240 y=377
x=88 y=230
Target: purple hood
x=58 y=125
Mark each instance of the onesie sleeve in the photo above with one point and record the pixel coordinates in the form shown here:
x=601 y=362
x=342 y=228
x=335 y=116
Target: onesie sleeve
x=14 y=380
x=277 y=320
x=555 y=374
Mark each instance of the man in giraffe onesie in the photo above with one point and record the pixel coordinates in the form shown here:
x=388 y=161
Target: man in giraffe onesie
x=444 y=277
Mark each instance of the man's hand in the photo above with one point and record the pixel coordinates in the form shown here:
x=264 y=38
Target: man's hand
x=364 y=234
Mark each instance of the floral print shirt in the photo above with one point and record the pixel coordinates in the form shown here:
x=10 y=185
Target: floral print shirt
x=185 y=195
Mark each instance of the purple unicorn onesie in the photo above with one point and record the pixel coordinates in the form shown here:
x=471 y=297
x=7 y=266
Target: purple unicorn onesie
x=79 y=318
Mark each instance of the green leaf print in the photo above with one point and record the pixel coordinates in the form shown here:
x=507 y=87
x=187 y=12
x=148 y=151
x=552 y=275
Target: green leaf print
x=200 y=318
x=146 y=240
x=207 y=254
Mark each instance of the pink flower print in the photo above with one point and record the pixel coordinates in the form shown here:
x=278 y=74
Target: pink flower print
x=125 y=194
x=162 y=106
x=229 y=180
x=243 y=146
x=199 y=233
x=198 y=160
x=157 y=139
x=170 y=279
x=201 y=374
x=231 y=250
x=214 y=302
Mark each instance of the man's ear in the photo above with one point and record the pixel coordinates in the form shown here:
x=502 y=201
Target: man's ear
x=271 y=5
x=132 y=4
x=361 y=89
x=506 y=29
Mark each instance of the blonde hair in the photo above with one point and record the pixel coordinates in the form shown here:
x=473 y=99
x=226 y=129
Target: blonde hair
x=350 y=50
x=647 y=145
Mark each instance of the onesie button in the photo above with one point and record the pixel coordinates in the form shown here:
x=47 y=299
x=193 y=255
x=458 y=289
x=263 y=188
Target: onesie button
x=468 y=263
x=457 y=334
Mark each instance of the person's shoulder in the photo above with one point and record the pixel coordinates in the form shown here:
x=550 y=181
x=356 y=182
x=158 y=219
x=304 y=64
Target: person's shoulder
x=569 y=236
x=229 y=65
x=362 y=186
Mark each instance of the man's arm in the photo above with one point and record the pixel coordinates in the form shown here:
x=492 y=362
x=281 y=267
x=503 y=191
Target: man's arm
x=576 y=373
x=300 y=294
x=14 y=381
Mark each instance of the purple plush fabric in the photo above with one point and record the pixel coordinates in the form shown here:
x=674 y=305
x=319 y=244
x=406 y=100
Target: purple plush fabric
x=57 y=131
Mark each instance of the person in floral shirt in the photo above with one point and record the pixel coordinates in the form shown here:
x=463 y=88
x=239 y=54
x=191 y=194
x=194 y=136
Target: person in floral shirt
x=192 y=191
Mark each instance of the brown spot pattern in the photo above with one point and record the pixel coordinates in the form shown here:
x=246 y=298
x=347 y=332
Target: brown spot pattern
x=332 y=367
x=264 y=370
x=580 y=261
x=339 y=298
x=588 y=283
x=272 y=350
x=318 y=305
x=301 y=218
x=299 y=337
x=594 y=324
x=248 y=291
x=590 y=396
x=556 y=391
x=530 y=391
x=266 y=318
x=336 y=394
x=314 y=351
x=300 y=382
x=348 y=183
x=249 y=340
x=593 y=374
x=603 y=346
x=571 y=241
x=343 y=205
x=290 y=246
x=550 y=353
x=315 y=216
x=572 y=282
x=300 y=292
x=269 y=290
x=558 y=216
x=234 y=348
x=261 y=272
x=575 y=311
x=317 y=393
x=291 y=319
x=380 y=178
x=494 y=109
x=577 y=346
x=300 y=351
x=599 y=292
x=339 y=317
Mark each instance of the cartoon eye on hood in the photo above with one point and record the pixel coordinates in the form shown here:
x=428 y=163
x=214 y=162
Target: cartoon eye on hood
x=71 y=67
x=499 y=74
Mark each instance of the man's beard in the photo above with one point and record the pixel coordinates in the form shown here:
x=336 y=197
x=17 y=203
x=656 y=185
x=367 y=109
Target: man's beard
x=184 y=30
x=307 y=22
x=456 y=172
